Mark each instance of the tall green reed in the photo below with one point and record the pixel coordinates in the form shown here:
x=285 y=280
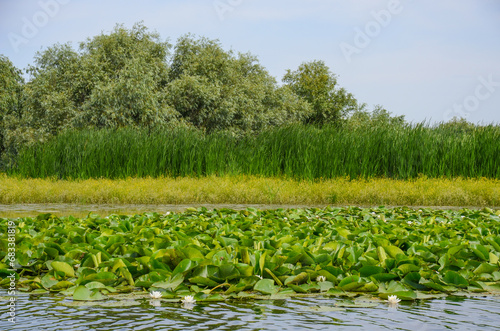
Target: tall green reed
x=306 y=152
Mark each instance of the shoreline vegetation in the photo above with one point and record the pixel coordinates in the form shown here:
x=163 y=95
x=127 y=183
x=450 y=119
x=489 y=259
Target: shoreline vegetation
x=421 y=191
x=298 y=152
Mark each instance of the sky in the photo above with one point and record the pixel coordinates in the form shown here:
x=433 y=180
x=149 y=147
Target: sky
x=427 y=60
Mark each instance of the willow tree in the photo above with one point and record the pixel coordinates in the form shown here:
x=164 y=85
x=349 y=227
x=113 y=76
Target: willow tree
x=113 y=80
x=316 y=84
x=214 y=89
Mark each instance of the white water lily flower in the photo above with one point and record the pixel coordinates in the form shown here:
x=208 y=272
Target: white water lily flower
x=188 y=299
x=409 y=222
x=285 y=218
x=393 y=299
x=320 y=279
x=167 y=213
x=155 y=294
x=259 y=276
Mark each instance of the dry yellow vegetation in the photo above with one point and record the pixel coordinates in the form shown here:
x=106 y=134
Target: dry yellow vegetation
x=253 y=190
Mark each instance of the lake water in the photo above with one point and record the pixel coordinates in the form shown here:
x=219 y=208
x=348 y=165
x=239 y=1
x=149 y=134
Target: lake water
x=451 y=313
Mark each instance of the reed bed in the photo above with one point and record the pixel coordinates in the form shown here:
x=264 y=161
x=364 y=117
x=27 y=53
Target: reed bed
x=298 y=152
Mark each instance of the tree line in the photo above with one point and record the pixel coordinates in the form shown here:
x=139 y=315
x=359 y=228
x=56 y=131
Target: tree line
x=132 y=78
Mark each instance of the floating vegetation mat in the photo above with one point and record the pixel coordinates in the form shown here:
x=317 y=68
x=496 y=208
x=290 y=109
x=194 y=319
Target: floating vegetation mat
x=216 y=255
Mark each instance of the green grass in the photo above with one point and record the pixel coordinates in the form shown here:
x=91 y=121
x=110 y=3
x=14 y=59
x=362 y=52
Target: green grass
x=300 y=152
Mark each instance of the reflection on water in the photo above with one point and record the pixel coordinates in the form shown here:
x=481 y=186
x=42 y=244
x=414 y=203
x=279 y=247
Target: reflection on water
x=452 y=313
x=82 y=210
x=77 y=210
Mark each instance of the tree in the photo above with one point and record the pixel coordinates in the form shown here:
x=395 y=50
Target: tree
x=314 y=82
x=11 y=85
x=378 y=117
x=114 y=80
x=215 y=89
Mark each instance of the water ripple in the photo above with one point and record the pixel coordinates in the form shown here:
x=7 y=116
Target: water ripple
x=453 y=313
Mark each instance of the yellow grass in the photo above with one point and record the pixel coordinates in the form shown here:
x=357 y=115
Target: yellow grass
x=253 y=190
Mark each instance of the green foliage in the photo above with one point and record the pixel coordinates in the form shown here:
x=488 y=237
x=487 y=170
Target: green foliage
x=115 y=80
x=314 y=82
x=378 y=117
x=303 y=152
x=10 y=100
x=217 y=90
x=222 y=254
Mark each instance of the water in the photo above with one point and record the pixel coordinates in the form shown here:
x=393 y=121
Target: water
x=451 y=313
x=82 y=210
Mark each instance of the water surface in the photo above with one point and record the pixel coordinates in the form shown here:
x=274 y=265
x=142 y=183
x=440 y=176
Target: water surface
x=451 y=313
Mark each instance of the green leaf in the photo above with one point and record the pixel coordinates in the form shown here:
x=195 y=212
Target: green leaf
x=351 y=283
x=455 y=279
x=266 y=286
x=63 y=267
x=370 y=270
x=204 y=281
x=84 y=294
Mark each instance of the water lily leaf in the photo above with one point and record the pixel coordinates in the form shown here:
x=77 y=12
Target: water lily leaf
x=245 y=270
x=481 y=252
x=235 y=288
x=297 y=288
x=266 y=286
x=384 y=277
x=485 y=268
x=412 y=279
x=213 y=298
x=393 y=251
x=368 y=287
x=93 y=285
x=407 y=268
x=48 y=280
x=127 y=275
x=63 y=267
x=298 y=279
x=438 y=287
x=192 y=253
x=61 y=285
x=171 y=284
x=370 y=270
x=204 y=281
x=351 y=283
x=455 y=279
x=228 y=272
x=184 y=266
x=325 y=286
x=82 y=293
x=107 y=278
